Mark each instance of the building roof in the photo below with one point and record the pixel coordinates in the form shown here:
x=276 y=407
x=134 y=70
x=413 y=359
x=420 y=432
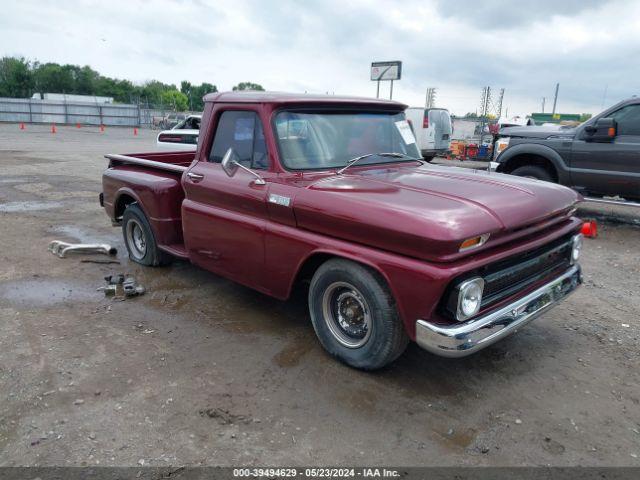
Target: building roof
x=297 y=98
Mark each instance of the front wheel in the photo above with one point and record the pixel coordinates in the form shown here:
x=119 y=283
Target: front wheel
x=533 y=171
x=354 y=315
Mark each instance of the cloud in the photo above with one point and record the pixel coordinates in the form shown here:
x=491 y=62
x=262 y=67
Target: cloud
x=327 y=46
x=501 y=14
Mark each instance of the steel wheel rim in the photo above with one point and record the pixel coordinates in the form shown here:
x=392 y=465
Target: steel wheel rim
x=346 y=314
x=136 y=239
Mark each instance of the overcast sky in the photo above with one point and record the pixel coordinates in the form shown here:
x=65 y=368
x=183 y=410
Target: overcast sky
x=591 y=47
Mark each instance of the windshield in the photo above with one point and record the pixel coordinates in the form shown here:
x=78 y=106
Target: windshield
x=330 y=139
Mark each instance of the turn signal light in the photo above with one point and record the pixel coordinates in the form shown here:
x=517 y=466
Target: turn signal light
x=474 y=242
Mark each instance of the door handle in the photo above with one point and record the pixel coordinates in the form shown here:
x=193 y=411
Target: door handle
x=196 y=177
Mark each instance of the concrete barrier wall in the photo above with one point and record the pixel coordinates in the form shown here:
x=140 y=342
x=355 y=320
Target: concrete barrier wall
x=30 y=110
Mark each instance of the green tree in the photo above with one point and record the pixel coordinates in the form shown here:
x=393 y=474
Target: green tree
x=85 y=79
x=176 y=99
x=16 y=79
x=152 y=91
x=248 y=86
x=121 y=90
x=195 y=93
x=54 y=78
x=20 y=78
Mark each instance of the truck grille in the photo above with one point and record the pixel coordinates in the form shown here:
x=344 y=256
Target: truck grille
x=508 y=277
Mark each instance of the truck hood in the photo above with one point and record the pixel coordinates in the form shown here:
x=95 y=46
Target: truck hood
x=537 y=132
x=425 y=212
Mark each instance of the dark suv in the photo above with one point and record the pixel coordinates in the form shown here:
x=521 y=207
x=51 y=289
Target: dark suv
x=599 y=157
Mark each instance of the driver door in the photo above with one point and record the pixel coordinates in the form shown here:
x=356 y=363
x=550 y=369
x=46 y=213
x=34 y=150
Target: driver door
x=610 y=168
x=224 y=217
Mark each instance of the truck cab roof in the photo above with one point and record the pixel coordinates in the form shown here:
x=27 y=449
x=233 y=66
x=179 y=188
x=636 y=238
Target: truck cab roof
x=281 y=98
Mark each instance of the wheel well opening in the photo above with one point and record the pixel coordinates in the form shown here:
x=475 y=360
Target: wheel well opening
x=531 y=160
x=308 y=269
x=121 y=205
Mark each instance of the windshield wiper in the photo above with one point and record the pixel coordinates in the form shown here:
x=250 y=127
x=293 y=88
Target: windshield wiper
x=382 y=154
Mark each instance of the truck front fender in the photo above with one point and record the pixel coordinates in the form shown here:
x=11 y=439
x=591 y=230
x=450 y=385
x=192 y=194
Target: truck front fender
x=513 y=155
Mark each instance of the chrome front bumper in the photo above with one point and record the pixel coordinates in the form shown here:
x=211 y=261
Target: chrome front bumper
x=463 y=339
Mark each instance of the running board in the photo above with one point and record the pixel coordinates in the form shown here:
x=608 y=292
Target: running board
x=621 y=203
x=177 y=250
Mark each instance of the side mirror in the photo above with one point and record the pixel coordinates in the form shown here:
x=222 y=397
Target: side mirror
x=603 y=130
x=230 y=162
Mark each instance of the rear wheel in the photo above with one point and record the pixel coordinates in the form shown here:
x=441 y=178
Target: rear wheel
x=354 y=315
x=139 y=239
x=533 y=171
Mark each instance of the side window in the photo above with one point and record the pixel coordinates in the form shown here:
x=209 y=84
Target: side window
x=242 y=131
x=628 y=119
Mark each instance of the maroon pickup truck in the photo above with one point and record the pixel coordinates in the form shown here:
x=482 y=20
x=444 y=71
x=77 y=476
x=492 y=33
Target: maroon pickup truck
x=330 y=192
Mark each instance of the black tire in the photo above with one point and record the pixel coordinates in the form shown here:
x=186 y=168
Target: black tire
x=533 y=171
x=348 y=287
x=136 y=228
x=428 y=158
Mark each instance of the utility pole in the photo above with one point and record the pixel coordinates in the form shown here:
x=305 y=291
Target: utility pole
x=485 y=100
x=499 y=106
x=544 y=99
x=555 y=99
x=430 y=100
x=604 y=96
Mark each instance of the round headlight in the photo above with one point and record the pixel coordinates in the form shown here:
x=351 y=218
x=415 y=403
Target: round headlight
x=576 y=248
x=470 y=298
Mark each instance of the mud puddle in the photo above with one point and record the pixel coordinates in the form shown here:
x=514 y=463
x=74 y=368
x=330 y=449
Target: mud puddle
x=295 y=350
x=13 y=207
x=83 y=235
x=45 y=292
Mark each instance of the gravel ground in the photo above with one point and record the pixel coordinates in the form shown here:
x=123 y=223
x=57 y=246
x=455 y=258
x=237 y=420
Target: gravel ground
x=202 y=371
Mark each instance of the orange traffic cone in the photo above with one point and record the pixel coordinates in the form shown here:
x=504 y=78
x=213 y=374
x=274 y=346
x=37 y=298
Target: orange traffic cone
x=53 y=128
x=135 y=131
x=22 y=126
x=101 y=127
x=77 y=125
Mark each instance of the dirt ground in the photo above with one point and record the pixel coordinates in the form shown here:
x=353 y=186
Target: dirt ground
x=202 y=371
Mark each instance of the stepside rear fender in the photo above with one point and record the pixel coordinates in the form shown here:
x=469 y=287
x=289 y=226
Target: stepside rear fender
x=158 y=193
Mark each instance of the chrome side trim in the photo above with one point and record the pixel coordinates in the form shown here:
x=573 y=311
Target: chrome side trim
x=146 y=163
x=622 y=203
x=460 y=340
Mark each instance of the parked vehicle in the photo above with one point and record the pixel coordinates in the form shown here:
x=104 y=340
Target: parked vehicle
x=183 y=136
x=328 y=192
x=172 y=119
x=432 y=128
x=600 y=157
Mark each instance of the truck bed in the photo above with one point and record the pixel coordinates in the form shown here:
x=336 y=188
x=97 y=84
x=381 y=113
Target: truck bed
x=147 y=178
